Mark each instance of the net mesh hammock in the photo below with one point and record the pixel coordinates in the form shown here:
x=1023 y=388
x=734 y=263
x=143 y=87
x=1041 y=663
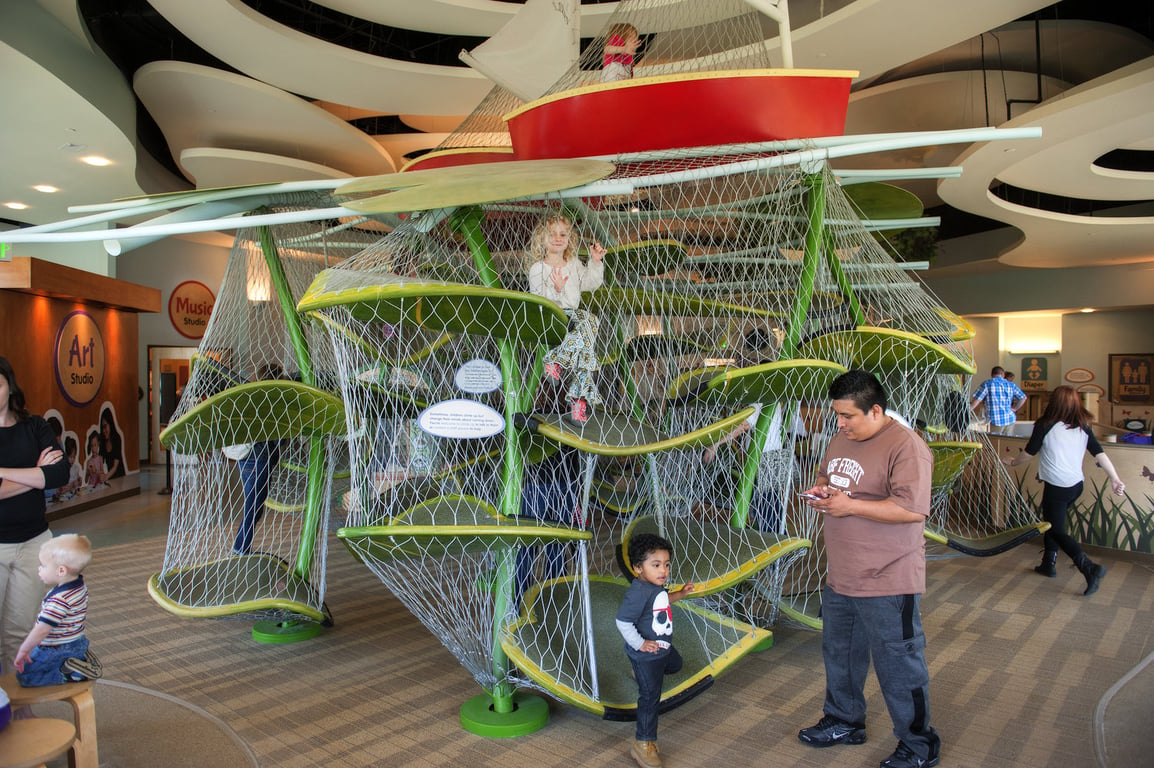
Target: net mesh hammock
x=261 y=390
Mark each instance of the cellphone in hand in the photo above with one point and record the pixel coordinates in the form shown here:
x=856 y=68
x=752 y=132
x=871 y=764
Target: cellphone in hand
x=810 y=496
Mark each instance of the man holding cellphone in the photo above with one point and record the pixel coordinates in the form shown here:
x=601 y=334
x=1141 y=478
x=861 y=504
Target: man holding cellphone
x=873 y=487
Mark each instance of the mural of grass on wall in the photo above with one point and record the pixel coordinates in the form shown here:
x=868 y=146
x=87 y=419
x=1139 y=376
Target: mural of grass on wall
x=1105 y=522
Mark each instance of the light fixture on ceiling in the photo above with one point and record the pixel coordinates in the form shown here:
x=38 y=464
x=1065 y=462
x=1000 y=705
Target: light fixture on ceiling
x=1086 y=310
x=16 y=206
x=1027 y=351
x=96 y=160
x=47 y=189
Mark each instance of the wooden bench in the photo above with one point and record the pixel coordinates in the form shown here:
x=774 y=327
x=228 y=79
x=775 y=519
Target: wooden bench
x=79 y=695
x=33 y=742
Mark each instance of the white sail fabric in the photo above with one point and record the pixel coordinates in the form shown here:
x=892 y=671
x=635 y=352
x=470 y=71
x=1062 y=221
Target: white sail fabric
x=533 y=50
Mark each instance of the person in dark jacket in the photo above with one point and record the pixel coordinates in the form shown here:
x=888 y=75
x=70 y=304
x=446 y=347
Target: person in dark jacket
x=30 y=461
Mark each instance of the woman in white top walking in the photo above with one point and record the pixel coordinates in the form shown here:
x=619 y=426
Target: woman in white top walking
x=1059 y=438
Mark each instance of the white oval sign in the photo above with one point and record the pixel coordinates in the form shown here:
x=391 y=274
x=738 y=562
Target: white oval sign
x=478 y=377
x=1079 y=375
x=461 y=420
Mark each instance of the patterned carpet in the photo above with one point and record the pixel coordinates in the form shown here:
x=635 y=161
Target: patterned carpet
x=1018 y=665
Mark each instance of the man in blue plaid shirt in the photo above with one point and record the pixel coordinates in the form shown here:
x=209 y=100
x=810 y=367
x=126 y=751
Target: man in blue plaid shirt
x=1003 y=398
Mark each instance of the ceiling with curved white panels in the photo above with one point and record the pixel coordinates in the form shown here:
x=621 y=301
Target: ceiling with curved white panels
x=1088 y=121
x=941 y=101
x=212 y=167
x=400 y=144
x=299 y=63
x=198 y=106
x=454 y=17
x=47 y=128
x=300 y=106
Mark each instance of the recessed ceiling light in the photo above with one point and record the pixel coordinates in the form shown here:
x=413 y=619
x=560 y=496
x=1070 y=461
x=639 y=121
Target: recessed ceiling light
x=15 y=205
x=1087 y=310
x=96 y=160
x=47 y=189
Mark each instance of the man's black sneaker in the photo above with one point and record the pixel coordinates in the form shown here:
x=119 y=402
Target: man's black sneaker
x=830 y=731
x=904 y=757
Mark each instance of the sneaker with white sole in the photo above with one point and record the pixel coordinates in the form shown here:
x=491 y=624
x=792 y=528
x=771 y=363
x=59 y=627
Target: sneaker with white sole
x=88 y=668
x=829 y=731
x=905 y=757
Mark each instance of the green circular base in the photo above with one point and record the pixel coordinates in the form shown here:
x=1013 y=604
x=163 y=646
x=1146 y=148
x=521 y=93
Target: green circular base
x=763 y=645
x=530 y=713
x=284 y=631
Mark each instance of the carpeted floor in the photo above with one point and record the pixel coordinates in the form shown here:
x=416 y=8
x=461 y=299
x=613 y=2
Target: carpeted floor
x=139 y=727
x=1019 y=665
x=1122 y=720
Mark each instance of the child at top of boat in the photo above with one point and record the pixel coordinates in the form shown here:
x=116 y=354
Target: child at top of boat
x=621 y=43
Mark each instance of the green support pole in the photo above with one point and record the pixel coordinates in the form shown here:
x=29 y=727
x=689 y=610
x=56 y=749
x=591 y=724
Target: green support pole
x=285 y=632
x=467 y=222
x=846 y=288
x=503 y=712
x=813 y=246
x=506 y=572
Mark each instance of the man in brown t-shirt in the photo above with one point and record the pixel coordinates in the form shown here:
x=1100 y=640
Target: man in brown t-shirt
x=873 y=487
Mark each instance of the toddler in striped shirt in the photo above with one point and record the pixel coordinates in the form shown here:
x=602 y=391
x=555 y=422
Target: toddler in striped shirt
x=56 y=650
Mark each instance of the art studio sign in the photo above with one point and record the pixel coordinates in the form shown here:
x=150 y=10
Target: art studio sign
x=80 y=358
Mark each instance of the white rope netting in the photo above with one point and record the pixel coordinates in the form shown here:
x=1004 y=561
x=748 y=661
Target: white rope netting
x=505 y=438
x=244 y=537
x=708 y=275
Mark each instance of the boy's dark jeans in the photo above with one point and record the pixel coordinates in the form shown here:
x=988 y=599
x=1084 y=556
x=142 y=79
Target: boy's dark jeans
x=650 y=670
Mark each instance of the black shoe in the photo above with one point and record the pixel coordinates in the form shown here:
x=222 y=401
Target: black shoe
x=1094 y=578
x=904 y=757
x=830 y=731
x=88 y=668
x=1049 y=564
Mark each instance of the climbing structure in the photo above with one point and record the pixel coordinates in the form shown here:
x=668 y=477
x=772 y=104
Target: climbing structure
x=741 y=276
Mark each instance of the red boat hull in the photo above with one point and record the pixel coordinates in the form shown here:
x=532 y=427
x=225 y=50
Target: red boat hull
x=711 y=108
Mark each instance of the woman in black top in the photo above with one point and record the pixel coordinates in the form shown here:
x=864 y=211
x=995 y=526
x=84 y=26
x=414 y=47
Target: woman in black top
x=30 y=461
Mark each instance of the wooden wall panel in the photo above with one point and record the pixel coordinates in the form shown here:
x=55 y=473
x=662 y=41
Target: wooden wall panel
x=30 y=324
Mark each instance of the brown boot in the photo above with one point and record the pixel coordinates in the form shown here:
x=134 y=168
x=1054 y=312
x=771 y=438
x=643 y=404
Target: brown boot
x=646 y=754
